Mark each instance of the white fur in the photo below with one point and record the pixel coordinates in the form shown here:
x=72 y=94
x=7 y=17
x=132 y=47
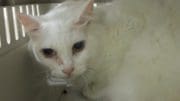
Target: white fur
x=132 y=51
x=57 y=32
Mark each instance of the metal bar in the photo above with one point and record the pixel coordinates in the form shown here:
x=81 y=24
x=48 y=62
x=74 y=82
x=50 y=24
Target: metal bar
x=16 y=34
x=25 y=2
x=6 y=23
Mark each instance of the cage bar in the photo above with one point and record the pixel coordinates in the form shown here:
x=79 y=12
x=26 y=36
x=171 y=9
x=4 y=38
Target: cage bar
x=6 y=23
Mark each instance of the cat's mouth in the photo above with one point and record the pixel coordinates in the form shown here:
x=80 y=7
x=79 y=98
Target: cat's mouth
x=53 y=81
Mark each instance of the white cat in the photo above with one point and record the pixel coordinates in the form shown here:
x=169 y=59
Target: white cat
x=124 y=51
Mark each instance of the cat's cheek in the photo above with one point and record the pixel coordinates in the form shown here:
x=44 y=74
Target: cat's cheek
x=79 y=70
x=80 y=64
x=48 y=63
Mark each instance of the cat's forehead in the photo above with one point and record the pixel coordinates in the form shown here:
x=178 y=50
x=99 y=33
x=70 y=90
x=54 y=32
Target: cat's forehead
x=66 y=12
x=58 y=29
x=56 y=26
x=55 y=34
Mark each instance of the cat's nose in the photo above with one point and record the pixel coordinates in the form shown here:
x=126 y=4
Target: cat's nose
x=68 y=70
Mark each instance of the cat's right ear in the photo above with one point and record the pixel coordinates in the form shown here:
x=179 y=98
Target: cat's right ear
x=29 y=22
x=86 y=16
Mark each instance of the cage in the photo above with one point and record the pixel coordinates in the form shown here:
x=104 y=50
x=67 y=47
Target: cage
x=22 y=78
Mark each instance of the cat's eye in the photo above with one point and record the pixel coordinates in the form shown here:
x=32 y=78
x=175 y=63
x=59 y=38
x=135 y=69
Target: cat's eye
x=48 y=52
x=78 y=47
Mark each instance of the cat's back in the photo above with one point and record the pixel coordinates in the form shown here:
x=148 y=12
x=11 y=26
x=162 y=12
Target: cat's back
x=149 y=44
x=141 y=42
x=127 y=20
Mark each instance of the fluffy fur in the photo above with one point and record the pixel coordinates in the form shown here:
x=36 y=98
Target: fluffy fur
x=132 y=51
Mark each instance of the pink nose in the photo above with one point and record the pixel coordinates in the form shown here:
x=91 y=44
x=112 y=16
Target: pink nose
x=68 y=71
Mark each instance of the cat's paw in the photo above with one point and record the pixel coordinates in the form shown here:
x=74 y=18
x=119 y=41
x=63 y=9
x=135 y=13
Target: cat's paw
x=94 y=96
x=86 y=93
x=90 y=94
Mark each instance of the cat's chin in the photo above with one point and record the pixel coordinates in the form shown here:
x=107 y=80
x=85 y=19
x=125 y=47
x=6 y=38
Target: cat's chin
x=61 y=80
x=53 y=81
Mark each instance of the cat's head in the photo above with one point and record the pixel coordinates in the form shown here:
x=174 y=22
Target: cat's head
x=58 y=39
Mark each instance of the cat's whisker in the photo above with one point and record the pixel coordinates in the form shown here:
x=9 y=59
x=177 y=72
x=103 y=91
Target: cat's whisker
x=39 y=78
x=91 y=69
x=86 y=76
x=41 y=73
x=39 y=83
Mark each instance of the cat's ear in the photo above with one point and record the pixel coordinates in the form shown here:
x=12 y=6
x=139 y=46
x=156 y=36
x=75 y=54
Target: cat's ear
x=29 y=22
x=86 y=14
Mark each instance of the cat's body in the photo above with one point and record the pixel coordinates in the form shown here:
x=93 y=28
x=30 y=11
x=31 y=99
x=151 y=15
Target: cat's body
x=132 y=49
x=140 y=54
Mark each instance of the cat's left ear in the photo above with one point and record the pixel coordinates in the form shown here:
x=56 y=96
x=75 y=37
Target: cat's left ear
x=86 y=15
x=29 y=22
